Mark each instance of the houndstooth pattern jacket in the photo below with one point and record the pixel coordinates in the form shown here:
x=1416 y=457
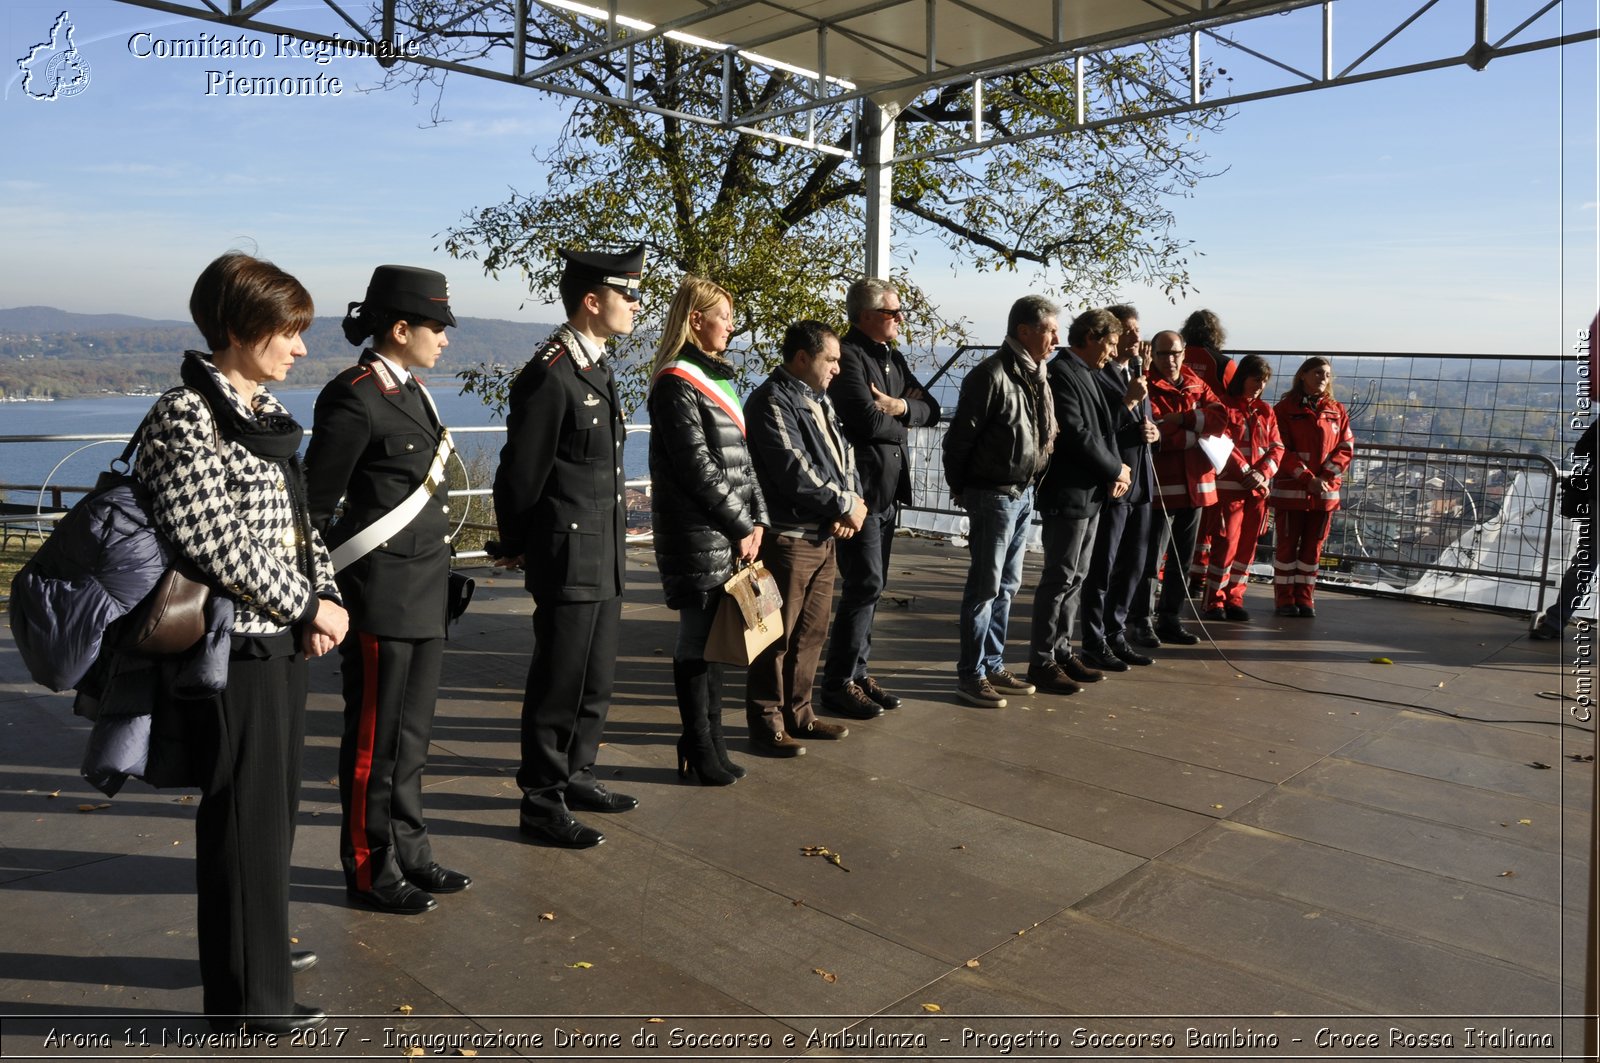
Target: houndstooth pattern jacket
x=230 y=513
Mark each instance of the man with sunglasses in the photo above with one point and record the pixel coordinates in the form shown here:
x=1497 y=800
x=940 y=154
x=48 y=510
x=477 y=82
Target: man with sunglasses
x=879 y=401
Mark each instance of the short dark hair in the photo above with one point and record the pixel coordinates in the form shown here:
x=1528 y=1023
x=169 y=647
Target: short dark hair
x=1203 y=328
x=574 y=285
x=1093 y=325
x=245 y=300
x=1123 y=312
x=809 y=336
x=1029 y=310
x=1248 y=366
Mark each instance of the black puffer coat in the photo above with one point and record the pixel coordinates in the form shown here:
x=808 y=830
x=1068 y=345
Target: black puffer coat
x=704 y=497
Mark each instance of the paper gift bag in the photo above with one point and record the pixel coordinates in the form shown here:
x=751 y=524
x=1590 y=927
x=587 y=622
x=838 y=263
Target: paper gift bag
x=748 y=620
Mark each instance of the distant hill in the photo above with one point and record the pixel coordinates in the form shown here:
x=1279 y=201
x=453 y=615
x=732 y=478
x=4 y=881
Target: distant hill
x=44 y=351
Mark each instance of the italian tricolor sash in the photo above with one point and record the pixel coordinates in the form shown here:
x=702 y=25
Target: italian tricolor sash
x=718 y=391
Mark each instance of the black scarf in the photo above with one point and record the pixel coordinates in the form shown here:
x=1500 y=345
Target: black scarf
x=272 y=437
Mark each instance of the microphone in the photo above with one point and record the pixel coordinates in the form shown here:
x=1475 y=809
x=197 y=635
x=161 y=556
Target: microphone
x=1136 y=366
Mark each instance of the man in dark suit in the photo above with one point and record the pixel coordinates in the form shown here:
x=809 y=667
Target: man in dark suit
x=1085 y=468
x=377 y=444
x=879 y=401
x=558 y=500
x=1119 y=541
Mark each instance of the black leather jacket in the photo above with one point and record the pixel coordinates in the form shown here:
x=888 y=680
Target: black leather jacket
x=704 y=495
x=993 y=439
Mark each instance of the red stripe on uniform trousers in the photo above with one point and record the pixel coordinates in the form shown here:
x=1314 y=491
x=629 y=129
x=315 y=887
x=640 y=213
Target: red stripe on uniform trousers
x=366 y=729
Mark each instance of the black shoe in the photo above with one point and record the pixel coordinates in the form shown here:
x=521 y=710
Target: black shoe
x=1216 y=612
x=1306 y=610
x=1102 y=658
x=1127 y=653
x=1144 y=634
x=561 y=831
x=1544 y=632
x=889 y=701
x=402 y=898
x=1077 y=670
x=300 y=962
x=1171 y=630
x=1287 y=610
x=1050 y=679
x=436 y=879
x=1237 y=613
x=697 y=760
x=303 y=1017
x=600 y=800
x=852 y=701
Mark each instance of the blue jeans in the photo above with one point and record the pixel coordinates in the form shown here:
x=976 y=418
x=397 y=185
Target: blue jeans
x=998 y=533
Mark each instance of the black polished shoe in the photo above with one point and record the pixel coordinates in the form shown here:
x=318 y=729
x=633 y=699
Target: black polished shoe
x=1170 y=630
x=1237 y=613
x=302 y=961
x=1216 y=612
x=1125 y=652
x=303 y=1017
x=1306 y=611
x=600 y=800
x=1102 y=658
x=436 y=879
x=402 y=898
x=1077 y=670
x=1287 y=610
x=1144 y=634
x=852 y=701
x=562 y=831
x=877 y=693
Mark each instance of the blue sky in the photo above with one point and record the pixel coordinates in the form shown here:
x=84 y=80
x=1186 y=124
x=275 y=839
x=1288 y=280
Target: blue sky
x=1443 y=211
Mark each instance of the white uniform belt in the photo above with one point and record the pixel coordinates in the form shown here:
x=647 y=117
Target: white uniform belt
x=385 y=527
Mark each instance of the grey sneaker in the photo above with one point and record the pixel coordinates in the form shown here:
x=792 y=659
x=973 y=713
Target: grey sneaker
x=979 y=692
x=1004 y=680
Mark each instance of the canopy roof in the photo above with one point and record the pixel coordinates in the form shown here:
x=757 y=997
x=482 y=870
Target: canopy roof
x=893 y=51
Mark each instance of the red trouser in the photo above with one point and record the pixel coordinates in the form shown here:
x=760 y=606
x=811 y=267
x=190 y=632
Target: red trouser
x=1301 y=534
x=1236 y=524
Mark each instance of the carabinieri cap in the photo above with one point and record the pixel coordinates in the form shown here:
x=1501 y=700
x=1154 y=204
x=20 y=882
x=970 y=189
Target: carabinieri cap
x=410 y=290
x=620 y=271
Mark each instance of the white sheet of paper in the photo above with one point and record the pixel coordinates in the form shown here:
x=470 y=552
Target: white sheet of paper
x=1216 y=449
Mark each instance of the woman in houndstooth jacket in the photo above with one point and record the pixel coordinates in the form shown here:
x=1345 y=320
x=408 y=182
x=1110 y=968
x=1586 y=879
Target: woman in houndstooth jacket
x=219 y=461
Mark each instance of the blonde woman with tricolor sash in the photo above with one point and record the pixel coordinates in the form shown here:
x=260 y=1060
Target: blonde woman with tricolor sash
x=707 y=511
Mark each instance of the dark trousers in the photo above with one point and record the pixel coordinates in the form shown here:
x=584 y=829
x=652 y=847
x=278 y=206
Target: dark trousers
x=1178 y=548
x=248 y=742
x=777 y=692
x=391 y=687
x=1115 y=571
x=863 y=572
x=1068 y=543
x=565 y=704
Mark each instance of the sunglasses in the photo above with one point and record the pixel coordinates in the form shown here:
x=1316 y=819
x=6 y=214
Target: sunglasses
x=898 y=313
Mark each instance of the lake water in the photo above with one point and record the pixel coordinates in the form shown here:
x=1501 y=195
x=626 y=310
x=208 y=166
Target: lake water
x=36 y=463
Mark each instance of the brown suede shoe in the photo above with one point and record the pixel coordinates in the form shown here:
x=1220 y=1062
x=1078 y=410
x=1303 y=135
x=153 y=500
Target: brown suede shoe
x=822 y=729
x=771 y=743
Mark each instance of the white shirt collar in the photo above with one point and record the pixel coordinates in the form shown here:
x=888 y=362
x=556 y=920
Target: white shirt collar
x=401 y=373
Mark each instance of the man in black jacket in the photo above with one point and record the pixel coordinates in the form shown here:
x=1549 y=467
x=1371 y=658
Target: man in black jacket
x=558 y=501
x=995 y=450
x=1085 y=469
x=879 y=401
x=807 y=476
x=1119 y=543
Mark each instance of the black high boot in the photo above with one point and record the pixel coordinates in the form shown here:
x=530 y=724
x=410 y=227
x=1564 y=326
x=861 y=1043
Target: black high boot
x=696 y=755
x=714 y=673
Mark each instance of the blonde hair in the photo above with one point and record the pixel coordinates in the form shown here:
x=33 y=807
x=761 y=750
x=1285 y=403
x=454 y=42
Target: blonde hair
x=694 y=293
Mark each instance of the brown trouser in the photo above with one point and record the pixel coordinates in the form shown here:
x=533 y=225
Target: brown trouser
x=777 y=692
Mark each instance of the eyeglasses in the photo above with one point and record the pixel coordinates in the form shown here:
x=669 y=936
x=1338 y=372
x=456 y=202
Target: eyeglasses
x=898 y=313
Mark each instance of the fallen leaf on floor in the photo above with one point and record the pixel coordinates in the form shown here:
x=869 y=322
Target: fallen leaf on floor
x=826 y=976
x=1381 y=660
x=1312 y=915
x=973 y=963
x=405 y=1009
x=466 y=1051
x=1216 y=806
x=1441 y=686
x=837 y=861
x=958 y=847
x=798 y=902
x=294 y=940
x=1581 y=758
x=931 y=1007
x=1541 y=765
x=1507 y=874
x=413 y=1050
x=655 y=1020
x=94 y=808
x=583 y=965
x=547 y=917
x=1111 y=716
x=53 y=793
x=1526 y=822
x=184 y=799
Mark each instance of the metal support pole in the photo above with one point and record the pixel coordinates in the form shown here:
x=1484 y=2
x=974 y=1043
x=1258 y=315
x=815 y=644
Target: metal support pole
x=931 y=45
x=877 y=159
x=1194 y=68
x=1327 y=41
x=977 y=111
x=1079 y=106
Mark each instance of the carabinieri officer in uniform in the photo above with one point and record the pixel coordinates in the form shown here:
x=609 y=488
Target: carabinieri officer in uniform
x=377 y=443
x=558 y=502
